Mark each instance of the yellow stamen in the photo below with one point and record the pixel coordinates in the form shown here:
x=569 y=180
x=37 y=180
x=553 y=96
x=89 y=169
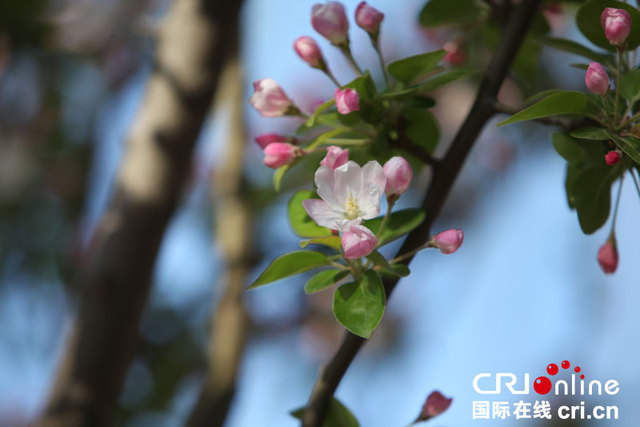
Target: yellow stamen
x=352 y=210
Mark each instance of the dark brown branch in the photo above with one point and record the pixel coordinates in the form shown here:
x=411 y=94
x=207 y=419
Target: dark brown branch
x=444 y=176
x=116 y=278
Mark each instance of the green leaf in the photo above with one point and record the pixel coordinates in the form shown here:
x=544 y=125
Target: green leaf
x=289 y=265
x=359 y=305
x=630 y=85
x=445 y=78
x=330 y=241
x=398 y=224
x=277 y=176
x=629 y=144
x=324 y=279
x=422 y=128
x=573 y=47
x=591 y=133
x=449 y=12
x=567 y=102
x=538 y=96
x=413 y=67
x=300 y=221
x=337 y=416
x=364 y=85
x=588 y=20
x=322 y=107
x=591 y=195
x=398 y=270
x=568 y=148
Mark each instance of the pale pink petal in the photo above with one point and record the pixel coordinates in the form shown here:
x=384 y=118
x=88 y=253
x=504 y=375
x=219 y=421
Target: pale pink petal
x=348 y=181
x=358 y=241
x=325 y=181
x=322 y=214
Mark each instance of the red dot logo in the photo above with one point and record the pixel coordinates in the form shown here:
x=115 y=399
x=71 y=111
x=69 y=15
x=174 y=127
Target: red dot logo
x=565 y=364
x=542 y=385
x=552 y=369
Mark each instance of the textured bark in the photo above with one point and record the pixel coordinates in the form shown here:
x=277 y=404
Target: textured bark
x=233 y=235
x=115 y=280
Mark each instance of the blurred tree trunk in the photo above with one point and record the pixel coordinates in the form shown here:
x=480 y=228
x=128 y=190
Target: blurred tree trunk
x=233 y=235
x=194 y=42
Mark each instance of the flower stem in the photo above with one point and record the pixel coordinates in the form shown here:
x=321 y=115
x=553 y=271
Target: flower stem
x=635 y=181
x=390 y=204
x=615 y=211
x=329 y=74
x=346 y=51
x=376 y=46
x=618 y=72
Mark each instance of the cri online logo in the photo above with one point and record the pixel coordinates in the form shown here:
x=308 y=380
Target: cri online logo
x=543 y=385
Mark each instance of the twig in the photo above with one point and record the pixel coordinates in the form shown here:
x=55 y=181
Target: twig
x=445 y=174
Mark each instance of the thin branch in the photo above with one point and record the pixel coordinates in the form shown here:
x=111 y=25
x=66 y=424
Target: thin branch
x=444 y=176
x=116 y=278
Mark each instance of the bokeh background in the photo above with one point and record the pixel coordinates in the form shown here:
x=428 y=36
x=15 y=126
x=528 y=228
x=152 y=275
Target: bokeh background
x=524 y=290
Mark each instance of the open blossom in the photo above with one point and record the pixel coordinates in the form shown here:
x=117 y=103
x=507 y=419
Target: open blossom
x=279 y=154
x=269 y=98
x=596 y=79
x=330 y=20
x=358 y=241
x=347 y=100
x=369 y=18
x=350 y=194
x=448 y=241
x=399 y=174
x=616 y=24
x=608 y=256
x=335 y=157
x=309 y=51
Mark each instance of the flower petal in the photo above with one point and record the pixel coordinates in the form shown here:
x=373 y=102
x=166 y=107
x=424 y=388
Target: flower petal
x=373 y=185
x=325 y=181
x=358 y=241
x=321 y=212
x=348 y=181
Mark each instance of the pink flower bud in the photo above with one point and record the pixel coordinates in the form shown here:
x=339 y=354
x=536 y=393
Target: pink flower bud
x=269 y=99
x=608 y=256
x=279 y=154
x=368 y=18
x=455 y=55
x=358 y=241
x=436 y=404
x=596 y=79
x=612 y=157
x=268 y=138
x=347 y=100
x=448 y=241
x=398 y=173
x=309 y=51
x=616 y=24
x=330 y=20
x=335 y=157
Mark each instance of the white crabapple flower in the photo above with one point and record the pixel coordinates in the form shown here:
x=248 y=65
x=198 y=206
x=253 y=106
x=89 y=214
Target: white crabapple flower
x=350 y=194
